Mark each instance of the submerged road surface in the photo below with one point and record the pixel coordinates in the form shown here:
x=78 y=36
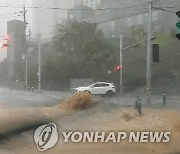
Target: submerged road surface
x=15 y=99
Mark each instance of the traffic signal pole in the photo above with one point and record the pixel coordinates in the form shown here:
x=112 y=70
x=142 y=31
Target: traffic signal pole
x=149 y=56
x=39 y=61
x=121 y=70
x=25 y=48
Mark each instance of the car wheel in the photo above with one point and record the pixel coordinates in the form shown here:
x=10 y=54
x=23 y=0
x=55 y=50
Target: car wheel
x=88 y=91
x=109 y=93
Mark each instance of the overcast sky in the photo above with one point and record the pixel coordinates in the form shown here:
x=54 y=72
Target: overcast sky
x=7 y=14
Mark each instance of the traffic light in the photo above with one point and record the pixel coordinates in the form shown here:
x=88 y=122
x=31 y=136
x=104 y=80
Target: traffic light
x=5 y=45
x=117 y=68
x=1 y=45
x=155 y=53
x=5 y=42
x=178 y=25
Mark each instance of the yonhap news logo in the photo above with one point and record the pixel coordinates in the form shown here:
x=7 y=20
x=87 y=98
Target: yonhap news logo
x=46 y=137
x=116 y=137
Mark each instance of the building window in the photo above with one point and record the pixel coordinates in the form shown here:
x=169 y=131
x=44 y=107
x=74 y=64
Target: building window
x=155 y=16
x=112 y=25
x=129 y=21
x=140 y=19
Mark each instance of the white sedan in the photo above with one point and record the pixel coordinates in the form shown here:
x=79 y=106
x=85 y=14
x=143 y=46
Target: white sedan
x=99 y=88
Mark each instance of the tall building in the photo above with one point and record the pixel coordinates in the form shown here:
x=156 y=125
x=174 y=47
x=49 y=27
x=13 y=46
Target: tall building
x=46 y=18
x=81 y=13
x=116 y=16
x=112 y=16
x=133 y=15
x=15 y=29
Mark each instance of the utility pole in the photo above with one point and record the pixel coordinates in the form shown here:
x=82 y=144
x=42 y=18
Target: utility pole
x=121 y=69
x=25 y=48
x=39 y=62
x=149 y=56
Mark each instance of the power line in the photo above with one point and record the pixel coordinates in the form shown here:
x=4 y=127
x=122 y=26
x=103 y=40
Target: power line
x=11 y=16
x=101 y=9
x=10 y=4
x=122 y=17
x=75 y=9
x=84 y=9
x=162 y=9
x=172 y=7
x=5 y=14
x=175 y=1
x=2 y=36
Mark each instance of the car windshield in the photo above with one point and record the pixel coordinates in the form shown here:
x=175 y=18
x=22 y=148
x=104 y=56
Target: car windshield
x=89 y=76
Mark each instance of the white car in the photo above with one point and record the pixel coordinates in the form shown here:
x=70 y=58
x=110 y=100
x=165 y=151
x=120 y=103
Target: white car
x=99 y=88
